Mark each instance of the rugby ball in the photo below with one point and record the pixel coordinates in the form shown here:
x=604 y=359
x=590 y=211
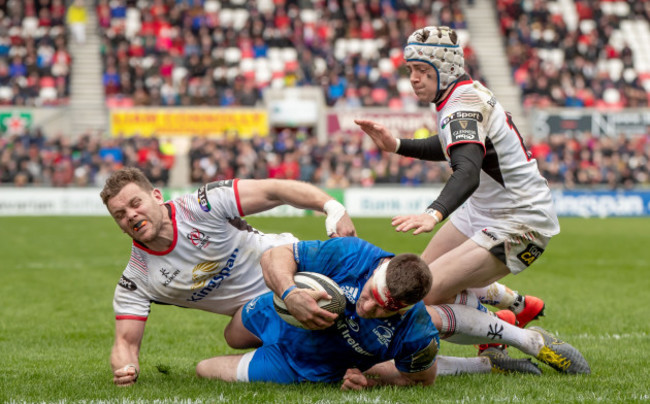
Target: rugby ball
x=315 y=281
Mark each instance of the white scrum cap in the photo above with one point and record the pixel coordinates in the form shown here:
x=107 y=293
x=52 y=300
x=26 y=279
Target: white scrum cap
x=439 y=47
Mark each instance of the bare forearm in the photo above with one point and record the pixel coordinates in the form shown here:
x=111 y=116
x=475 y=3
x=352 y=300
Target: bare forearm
x=124 y=363
x=126 y=349
x=387 y=374
x=302 y=195
x=278 y=268
x=122 y=355
x=260 y=195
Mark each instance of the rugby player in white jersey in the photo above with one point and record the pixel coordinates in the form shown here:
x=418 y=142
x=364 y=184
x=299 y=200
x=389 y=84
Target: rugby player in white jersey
x=196 y=251
x=501 y=214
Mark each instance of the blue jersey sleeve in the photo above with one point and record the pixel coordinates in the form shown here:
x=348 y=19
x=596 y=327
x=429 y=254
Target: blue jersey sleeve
x=338 y=258
x=418 y=342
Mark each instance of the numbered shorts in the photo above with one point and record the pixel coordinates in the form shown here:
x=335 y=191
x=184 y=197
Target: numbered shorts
x=515 y=244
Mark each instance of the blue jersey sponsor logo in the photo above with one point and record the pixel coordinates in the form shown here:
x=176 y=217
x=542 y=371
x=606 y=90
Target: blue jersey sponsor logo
x=344 y=331
x=384 y=334
x=351 y=293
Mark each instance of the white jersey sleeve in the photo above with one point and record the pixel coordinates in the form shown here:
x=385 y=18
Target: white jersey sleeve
x=465 y=119
x=131 y=302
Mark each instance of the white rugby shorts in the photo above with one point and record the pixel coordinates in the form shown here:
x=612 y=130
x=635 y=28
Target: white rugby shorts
x=508 y=236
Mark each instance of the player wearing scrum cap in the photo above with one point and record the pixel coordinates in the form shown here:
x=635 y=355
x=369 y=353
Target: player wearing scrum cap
x=196 y=251
x=386 y=335
x=500 y=210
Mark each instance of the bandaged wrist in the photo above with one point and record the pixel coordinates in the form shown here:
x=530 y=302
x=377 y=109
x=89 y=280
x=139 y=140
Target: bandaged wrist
x=433 y=213
x=335 y=212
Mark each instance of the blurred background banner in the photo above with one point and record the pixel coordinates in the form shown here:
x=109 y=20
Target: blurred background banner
x=14 y=121
x=246 y=123
x=400 y=123
x=597 y=122
x=389 y=202
x=360 y=202
x=593 y=203
x=51 y=202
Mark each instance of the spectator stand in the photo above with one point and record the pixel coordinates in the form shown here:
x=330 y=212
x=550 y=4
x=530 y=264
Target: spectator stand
x=583 y=53
x=170 y=53
x=34 y=56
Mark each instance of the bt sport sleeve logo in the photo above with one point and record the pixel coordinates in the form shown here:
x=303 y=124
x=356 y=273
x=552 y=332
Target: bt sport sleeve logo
x=203 y=192
x=463 y=126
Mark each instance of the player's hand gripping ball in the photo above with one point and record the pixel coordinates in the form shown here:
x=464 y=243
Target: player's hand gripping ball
x=315 y=281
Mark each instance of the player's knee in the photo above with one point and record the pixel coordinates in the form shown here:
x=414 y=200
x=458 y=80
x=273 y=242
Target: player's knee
x=229 y=337
x=237 y=339
x=438 y=296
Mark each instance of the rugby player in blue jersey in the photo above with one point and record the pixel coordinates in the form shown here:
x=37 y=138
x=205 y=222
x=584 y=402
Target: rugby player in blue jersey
x=385 y=336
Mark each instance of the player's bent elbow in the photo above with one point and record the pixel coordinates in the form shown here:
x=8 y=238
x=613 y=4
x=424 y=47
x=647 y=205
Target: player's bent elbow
x=424 y=382
x=202 y=369
x=425 y=378
x=428 y=382
x=265 y=259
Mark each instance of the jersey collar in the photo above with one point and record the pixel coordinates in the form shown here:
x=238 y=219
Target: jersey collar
x=462 y=81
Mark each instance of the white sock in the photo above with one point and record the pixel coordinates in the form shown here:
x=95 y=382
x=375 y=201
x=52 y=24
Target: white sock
x=469 y=299
x=451 y=365
x=497 y=295
x=467 y=326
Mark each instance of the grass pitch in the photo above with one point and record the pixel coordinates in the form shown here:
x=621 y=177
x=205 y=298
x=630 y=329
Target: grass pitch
x=57 y=277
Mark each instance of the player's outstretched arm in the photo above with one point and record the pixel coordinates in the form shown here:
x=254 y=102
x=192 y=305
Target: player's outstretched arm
x=278 y=268
x=126 y=349
x=260 y=195
x=379 y=134
x=386 y=373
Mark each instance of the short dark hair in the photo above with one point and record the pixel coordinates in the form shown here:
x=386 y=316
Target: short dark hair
x=408 y=278
x=122 y=177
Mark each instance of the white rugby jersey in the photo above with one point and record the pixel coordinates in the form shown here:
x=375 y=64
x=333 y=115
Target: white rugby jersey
x=511 y=185
x=212 y=264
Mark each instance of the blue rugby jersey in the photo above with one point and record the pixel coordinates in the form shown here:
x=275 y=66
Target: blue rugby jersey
x=352 y=342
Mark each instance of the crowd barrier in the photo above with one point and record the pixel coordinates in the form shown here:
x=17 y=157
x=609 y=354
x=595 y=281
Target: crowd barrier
x=360 y=202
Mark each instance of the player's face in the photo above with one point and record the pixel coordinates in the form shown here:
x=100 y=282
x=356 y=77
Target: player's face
x=137 y=212
x=424 y=80
x=367 y=306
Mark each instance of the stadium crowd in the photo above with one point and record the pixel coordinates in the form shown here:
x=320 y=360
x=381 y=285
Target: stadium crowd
x=225 y=53
x=34 y=159
x=34 y=56
x=578 y=56
x=594 y=162
x=174 y=53
x=346 y=160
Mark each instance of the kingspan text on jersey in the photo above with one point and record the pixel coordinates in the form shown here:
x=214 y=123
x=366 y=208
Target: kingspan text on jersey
x=216 y=280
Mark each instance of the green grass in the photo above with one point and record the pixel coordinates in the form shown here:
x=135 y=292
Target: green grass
x=57 y=277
